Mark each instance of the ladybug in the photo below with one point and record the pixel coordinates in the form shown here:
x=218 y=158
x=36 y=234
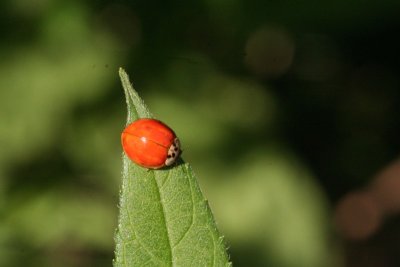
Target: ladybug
x=150 y=143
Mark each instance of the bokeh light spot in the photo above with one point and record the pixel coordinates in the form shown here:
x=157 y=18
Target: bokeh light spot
x=357 y=216
x=269 y=52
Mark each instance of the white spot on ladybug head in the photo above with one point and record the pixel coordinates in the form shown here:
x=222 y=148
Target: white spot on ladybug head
x=173 y=152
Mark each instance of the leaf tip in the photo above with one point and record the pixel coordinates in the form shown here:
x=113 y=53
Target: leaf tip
x=121 y=70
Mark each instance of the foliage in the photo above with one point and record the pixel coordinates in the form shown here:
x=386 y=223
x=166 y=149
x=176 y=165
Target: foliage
x=284 y=107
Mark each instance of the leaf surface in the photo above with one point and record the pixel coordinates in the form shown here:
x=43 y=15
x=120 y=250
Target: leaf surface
x=164 y=218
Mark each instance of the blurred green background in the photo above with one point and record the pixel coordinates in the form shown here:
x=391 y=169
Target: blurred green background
x=283 y=107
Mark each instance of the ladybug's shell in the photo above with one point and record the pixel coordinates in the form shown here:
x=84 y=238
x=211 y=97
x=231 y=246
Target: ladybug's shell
x=147 y=141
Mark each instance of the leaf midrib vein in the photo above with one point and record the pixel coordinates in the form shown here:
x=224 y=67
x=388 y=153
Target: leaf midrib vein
x=164 y=216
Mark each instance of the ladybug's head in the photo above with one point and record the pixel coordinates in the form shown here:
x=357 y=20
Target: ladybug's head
x=174 y=152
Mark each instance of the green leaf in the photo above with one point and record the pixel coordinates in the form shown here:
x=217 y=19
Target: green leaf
x=164 y=218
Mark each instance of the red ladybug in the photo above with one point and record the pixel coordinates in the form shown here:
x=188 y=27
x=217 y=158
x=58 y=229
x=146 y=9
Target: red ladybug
x=150 y=143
